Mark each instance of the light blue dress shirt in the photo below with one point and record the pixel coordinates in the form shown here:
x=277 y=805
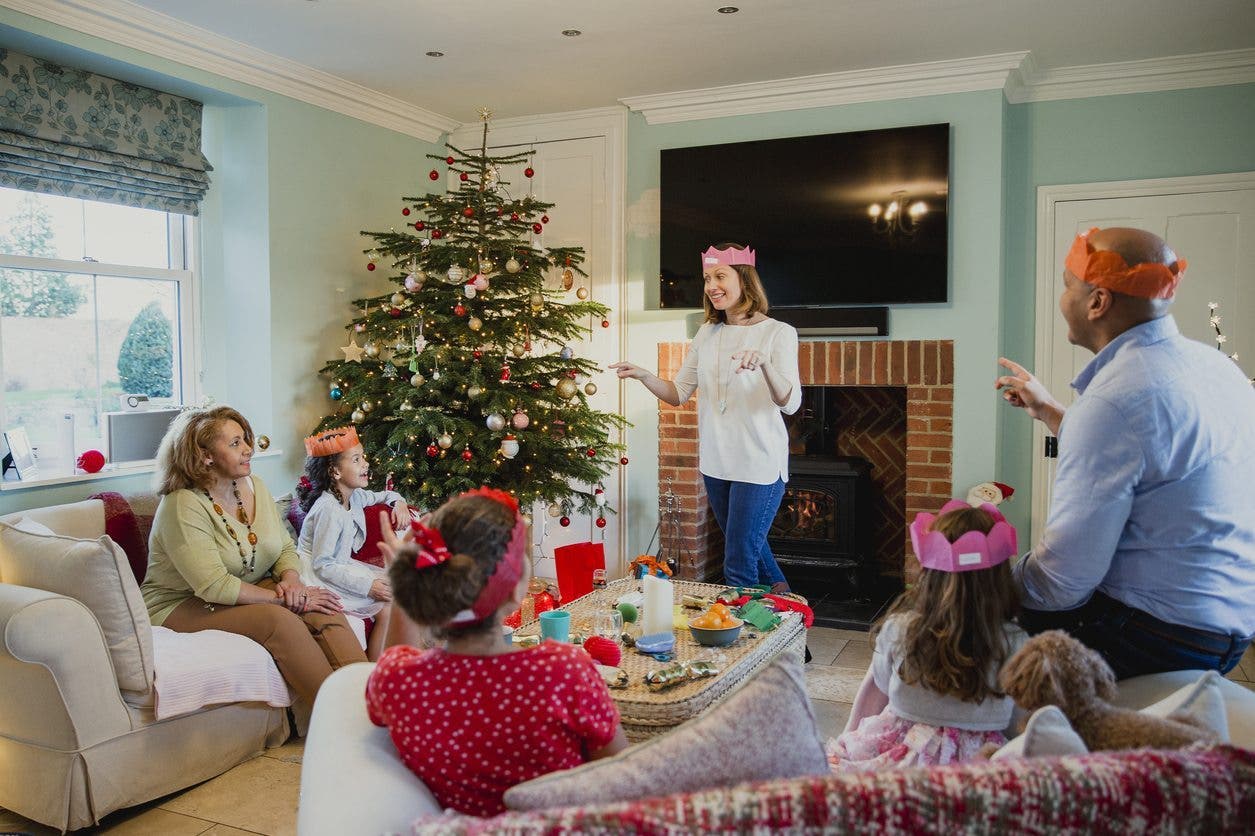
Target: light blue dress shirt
x=1153 y=502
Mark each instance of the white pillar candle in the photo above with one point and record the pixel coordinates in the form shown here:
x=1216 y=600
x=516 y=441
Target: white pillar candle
x=659 y=600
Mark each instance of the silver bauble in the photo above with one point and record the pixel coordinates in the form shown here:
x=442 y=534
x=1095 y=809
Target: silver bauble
x=370 y=350
x=445 y=441
x=357 y=416
x=456 y=274
x=566 y=353
x=512 y=265
x=473 y=391
x=398 y=299
x=495 y=422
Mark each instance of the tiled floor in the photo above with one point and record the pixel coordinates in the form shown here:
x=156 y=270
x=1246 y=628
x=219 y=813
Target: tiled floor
x=260 y=796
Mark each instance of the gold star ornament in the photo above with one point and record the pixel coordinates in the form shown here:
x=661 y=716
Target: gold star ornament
x=352 y=351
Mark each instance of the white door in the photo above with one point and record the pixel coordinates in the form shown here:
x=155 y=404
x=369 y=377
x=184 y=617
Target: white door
x=1210 y=227
x=571 y=175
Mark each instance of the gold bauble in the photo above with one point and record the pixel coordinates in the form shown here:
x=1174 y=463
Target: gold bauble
x=367 y=406
x=590 y=388
x=263 y=442
x=417 y=380
x=357 y=416
x=474 y=323
x=473 y=392
x=537 y=300
x=512 y=265
x=370 y=350
x=555 y=510
x=456 y=274
x=581 y=293
x=445 y=441
x=517 y=350
x=398 y=299
x=566 y=388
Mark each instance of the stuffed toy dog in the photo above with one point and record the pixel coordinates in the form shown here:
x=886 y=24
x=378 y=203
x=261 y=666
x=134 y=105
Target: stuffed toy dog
x=1052 y=668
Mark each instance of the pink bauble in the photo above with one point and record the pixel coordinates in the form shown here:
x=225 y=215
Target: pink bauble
x=412 y=283
x=520 y=420
x=480 y=282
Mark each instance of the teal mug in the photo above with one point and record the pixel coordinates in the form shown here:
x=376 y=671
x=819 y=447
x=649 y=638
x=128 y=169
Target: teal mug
x=556 y=625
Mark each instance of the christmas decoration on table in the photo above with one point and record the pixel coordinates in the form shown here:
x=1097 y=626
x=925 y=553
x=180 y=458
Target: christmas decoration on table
x=91 y=461
x=604 y=651
x=466 y=355
x=539 y=599
x=647 y=564
x=1214 y=320
x=679 y=672
x=994 y=493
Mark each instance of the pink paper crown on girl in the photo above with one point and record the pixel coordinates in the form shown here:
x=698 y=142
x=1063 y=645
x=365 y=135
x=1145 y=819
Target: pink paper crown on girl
x=972 y=551
x=729 y=257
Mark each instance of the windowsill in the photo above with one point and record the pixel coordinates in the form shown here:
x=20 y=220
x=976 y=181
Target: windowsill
x=111 y=471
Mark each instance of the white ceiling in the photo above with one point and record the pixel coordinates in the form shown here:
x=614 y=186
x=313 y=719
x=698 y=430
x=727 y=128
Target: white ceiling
x=512 y=57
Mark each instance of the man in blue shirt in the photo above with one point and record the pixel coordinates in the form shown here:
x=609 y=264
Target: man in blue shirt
x=1149 y=550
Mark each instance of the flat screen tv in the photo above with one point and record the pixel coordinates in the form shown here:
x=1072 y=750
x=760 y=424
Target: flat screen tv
x=840 y=219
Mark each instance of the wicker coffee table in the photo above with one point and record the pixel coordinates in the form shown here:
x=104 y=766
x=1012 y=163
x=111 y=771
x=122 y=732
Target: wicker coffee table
x=647 y=713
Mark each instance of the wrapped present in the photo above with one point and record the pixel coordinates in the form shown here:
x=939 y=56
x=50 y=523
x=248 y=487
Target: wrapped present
x=647 y=564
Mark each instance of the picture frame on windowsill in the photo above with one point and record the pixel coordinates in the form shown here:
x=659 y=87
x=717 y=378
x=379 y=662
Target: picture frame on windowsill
x=19 y=462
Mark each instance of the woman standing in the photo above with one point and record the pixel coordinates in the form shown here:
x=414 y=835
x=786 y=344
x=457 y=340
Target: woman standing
x=745 y=363
x=219 y=557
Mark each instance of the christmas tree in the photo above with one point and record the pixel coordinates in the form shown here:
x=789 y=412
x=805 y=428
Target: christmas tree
x=463 y=376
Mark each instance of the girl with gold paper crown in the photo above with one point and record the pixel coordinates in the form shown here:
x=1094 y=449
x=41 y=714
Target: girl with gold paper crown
x=478 y=716
x=333 y=492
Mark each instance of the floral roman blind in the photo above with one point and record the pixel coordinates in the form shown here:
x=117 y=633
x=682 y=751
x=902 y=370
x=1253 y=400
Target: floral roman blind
x=70 y=132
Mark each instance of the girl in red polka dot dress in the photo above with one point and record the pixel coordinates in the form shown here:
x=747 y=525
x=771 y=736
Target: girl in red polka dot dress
x=478 y=716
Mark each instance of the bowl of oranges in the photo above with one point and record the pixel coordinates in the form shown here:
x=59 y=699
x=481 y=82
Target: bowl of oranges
x=716 y=627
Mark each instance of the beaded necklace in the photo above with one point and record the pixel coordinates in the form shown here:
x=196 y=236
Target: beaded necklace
x=242 y=517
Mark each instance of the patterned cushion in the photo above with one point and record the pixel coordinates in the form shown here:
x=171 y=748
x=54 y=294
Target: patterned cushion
x=1198 y=790
x=766 y=729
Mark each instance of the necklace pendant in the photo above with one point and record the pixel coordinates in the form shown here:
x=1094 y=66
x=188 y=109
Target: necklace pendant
x=723 y=407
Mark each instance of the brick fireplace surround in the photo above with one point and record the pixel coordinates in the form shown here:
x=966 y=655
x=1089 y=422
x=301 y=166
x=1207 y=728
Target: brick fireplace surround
x=924 y=368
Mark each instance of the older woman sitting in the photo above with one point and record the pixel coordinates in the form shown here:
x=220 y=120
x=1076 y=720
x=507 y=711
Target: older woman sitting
x=220 y=558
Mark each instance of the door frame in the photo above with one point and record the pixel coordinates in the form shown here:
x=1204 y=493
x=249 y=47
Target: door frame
x=609 y=123
x=1046 y=314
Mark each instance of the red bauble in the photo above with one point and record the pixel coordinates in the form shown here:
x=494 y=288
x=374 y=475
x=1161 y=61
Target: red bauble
x=433 y=450
x=419 y=225
x=605 y=323
x=544 y=219
x=396 y=313
x=437 y=234
x=514 y=216
x=603 y=650
x=449 y=160
x=572 y=373
x=91 y=461
x=564 y=522
x=433 y=174
x=370 y=265
x=535 y=386
x=467 y=455
x=477 y=354
x=464 y=177
x=468 y=212
x=537 y=228
x=459 y=309
x=405 y=211
x=505 y=373
x=529 y=171
x=601 y=522
x=623 y=460
x=592 y=454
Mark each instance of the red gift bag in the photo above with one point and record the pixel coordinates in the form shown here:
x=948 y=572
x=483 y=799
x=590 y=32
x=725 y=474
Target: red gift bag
x=370 y=552
x=576 y=563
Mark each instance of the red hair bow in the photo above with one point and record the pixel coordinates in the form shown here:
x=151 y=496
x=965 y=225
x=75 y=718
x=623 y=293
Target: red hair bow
x=500 y=496
x=431 y=548
x=305 y=483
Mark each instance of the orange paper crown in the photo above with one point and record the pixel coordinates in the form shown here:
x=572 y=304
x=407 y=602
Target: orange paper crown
x=331 y=442
x=1103 y=268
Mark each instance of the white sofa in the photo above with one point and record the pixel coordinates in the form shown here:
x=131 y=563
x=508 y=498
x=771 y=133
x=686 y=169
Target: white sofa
x=79 y=737
x=353 y=782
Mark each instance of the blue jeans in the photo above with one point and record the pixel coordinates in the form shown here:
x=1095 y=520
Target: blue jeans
x=744 y=512
x=1135 y=642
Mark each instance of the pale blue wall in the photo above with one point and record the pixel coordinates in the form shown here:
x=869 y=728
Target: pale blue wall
x=1172 y=134
x=970 y=318
x=280 y=251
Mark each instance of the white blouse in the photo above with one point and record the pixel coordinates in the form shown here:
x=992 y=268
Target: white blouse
x=745 y=439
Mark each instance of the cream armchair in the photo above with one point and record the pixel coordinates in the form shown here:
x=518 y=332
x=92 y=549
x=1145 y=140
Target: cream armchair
x=78 y=734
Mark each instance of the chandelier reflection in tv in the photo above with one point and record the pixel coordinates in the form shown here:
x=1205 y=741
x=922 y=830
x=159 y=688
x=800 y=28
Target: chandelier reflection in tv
x=901 y=218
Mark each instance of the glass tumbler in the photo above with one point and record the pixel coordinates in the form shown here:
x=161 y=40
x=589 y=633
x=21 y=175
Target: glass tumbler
x=608 y=624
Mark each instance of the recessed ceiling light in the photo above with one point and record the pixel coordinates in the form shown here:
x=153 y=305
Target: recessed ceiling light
x=434 y=54
x=727 y=10
x=572 y=33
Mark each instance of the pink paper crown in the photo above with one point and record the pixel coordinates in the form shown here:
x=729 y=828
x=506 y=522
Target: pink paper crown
x=971 y=551
x=729 y=257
